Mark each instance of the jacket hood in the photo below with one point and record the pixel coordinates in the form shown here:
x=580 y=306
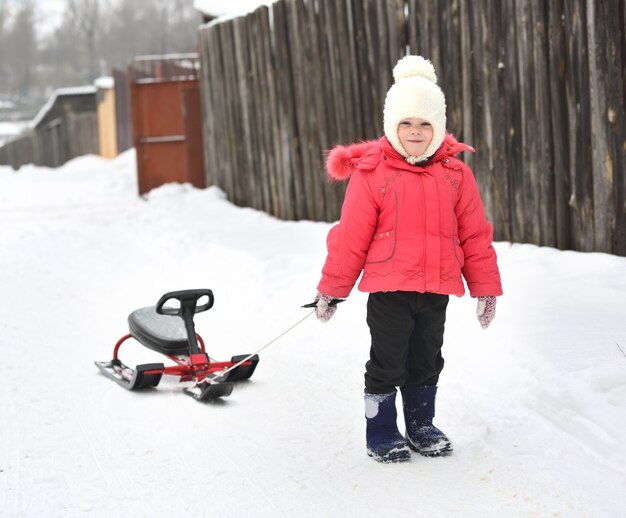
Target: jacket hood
x=342 y=161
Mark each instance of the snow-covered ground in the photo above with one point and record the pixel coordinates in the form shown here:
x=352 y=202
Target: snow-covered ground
x=536 y=405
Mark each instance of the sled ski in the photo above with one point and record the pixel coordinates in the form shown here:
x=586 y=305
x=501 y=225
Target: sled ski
x=169 y=330
x=142 y=376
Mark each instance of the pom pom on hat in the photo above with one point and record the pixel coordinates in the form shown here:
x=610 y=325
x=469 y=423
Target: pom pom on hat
x=415 y=94
x=409 y=66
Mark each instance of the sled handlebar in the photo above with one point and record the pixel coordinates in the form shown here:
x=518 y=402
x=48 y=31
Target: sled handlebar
x=188 y=302
x=332 y=302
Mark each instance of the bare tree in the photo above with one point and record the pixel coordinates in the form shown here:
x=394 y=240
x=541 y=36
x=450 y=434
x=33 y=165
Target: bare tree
x=182 y=23
x=3 y=69
x=149 y=27
x=21 y=50
x=62 y=56
x=84 y=15
x=179 y=24
x=94 y=36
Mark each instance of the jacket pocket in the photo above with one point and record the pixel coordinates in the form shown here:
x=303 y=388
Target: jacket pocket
x=383 y=245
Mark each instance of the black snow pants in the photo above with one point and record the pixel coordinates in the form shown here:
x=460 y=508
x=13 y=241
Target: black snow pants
x=407 y=334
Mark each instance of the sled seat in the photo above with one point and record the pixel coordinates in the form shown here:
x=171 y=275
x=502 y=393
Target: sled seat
x=165 y=334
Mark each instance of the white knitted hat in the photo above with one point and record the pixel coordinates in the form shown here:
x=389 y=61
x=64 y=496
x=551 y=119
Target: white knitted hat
x=415 y=94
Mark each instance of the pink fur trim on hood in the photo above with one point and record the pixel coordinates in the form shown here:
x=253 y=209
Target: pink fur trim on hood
x=342 y=160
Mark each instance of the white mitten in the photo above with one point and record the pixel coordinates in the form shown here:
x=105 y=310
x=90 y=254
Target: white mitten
x=324 y=311
x=486 y=310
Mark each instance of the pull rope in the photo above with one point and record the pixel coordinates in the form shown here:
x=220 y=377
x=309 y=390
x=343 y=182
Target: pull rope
x=219 y=374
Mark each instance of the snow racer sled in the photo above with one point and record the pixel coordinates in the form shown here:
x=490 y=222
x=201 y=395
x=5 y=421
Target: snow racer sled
x=170 y=330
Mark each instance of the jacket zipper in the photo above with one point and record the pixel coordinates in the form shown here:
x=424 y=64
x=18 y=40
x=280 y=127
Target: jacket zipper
x=454 y=238
x=424 y=220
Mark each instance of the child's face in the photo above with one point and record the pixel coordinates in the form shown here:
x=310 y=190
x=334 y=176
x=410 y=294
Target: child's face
x=415 y=135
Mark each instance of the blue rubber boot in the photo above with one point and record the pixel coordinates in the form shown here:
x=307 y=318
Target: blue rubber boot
x=384 y=441
x=419 y=410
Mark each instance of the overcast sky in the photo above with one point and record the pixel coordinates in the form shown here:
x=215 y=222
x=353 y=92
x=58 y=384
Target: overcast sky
x=49 y=14
x=50 y=11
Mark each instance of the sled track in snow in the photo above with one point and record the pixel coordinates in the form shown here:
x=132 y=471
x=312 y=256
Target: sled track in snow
x=27 y=214
x=10 y=469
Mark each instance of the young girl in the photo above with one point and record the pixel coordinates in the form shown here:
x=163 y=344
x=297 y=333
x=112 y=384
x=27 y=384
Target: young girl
x=413 y=224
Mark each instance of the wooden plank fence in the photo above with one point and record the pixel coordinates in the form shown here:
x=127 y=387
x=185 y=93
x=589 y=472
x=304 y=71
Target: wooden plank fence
x=536 y=86
x=54 y=143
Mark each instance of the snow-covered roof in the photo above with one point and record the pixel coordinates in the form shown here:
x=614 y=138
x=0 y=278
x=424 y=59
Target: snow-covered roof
x=8 y=128
x=164 y=57
x=104 y=82
x=220 y=8
x=73 y=90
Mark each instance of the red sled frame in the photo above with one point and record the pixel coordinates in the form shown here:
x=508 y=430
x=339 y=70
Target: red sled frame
x=194 y=365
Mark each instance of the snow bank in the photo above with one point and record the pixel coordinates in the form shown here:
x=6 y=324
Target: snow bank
x=536 y=405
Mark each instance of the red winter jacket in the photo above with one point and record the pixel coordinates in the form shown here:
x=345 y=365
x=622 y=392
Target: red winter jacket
x=408 y=228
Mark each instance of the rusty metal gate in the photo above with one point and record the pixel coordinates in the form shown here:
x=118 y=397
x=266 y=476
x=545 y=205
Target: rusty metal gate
x=167 y=120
